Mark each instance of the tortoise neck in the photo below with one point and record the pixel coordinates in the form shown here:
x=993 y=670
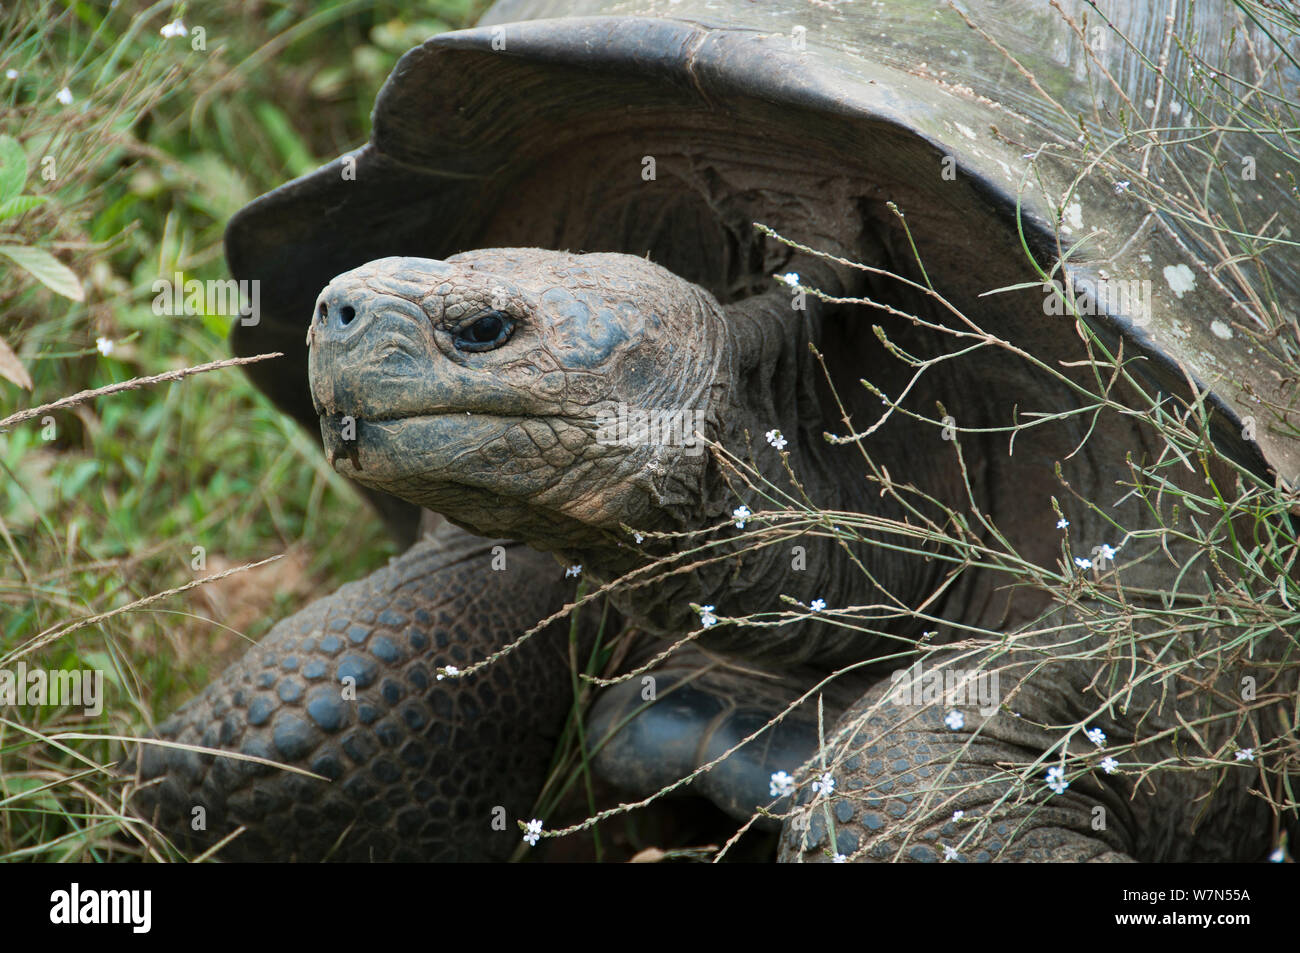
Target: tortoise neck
x=779 y=409
x=780 y=401
x=770 y=407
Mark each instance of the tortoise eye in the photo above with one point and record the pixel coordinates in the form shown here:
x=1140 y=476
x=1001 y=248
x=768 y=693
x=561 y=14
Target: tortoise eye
x=489 y=330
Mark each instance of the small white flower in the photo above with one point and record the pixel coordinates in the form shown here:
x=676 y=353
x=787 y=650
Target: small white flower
x=1062 y=523
x=573 y=571
x=1096 y=736
x=1082 y=563
x=1277 y=857
x=105 y=346
x=791 y=278
x=1245 y=754
x=451 y=672
x=707 y=618
x=949 y=852
x=1121 y=186
x=1109 y=765
x=64 y=96
x=780 y=784
x=175 y=28
x=955 y=720
x=817 y=605
x=824 y=784
x=533 y=832
x=638 y=537
x=775 y=439
x=740 y=514
x=958 y=815
x=1107 y=551
x=1056 y=779
x=11 y=74
x=839 y=859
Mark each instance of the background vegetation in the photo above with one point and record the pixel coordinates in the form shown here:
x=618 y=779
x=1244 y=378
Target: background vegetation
x=135 y=148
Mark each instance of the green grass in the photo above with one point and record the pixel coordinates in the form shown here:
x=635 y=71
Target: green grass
x=105 y=504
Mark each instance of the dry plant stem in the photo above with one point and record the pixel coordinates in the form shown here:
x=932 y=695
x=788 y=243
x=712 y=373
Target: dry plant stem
x=134 y=383
x=43 y=639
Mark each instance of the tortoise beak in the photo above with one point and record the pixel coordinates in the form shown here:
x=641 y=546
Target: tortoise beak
x=363 y=350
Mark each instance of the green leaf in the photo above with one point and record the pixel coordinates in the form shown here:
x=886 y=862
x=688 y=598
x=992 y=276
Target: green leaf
x=217 y=324
x=295 y=153
x=13 y=167
x=1019 y=287
x=11 y=368
x=19 y=205
x=100 y=661
x=221 y=191
x=46 y=269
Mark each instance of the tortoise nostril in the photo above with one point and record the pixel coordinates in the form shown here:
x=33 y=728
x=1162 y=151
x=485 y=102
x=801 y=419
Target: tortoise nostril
x=346 y=314
x=324 y=312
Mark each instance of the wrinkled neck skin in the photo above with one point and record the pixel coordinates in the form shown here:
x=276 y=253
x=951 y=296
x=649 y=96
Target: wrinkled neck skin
x=768 y=379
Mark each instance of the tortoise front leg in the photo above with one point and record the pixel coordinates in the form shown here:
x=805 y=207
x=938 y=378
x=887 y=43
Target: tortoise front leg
x=420 y=768
x=651 y=731
x=905 y=761
x=911 y=781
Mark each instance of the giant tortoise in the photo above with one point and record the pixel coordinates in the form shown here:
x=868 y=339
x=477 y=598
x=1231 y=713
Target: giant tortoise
x=792 y=331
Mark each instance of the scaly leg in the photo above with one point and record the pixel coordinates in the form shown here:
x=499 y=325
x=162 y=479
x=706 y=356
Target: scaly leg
x=703 y=705
x=419 y=768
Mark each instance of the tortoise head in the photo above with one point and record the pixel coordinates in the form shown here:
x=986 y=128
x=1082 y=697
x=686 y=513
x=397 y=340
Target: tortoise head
x=491 y=386
x=669 y=137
